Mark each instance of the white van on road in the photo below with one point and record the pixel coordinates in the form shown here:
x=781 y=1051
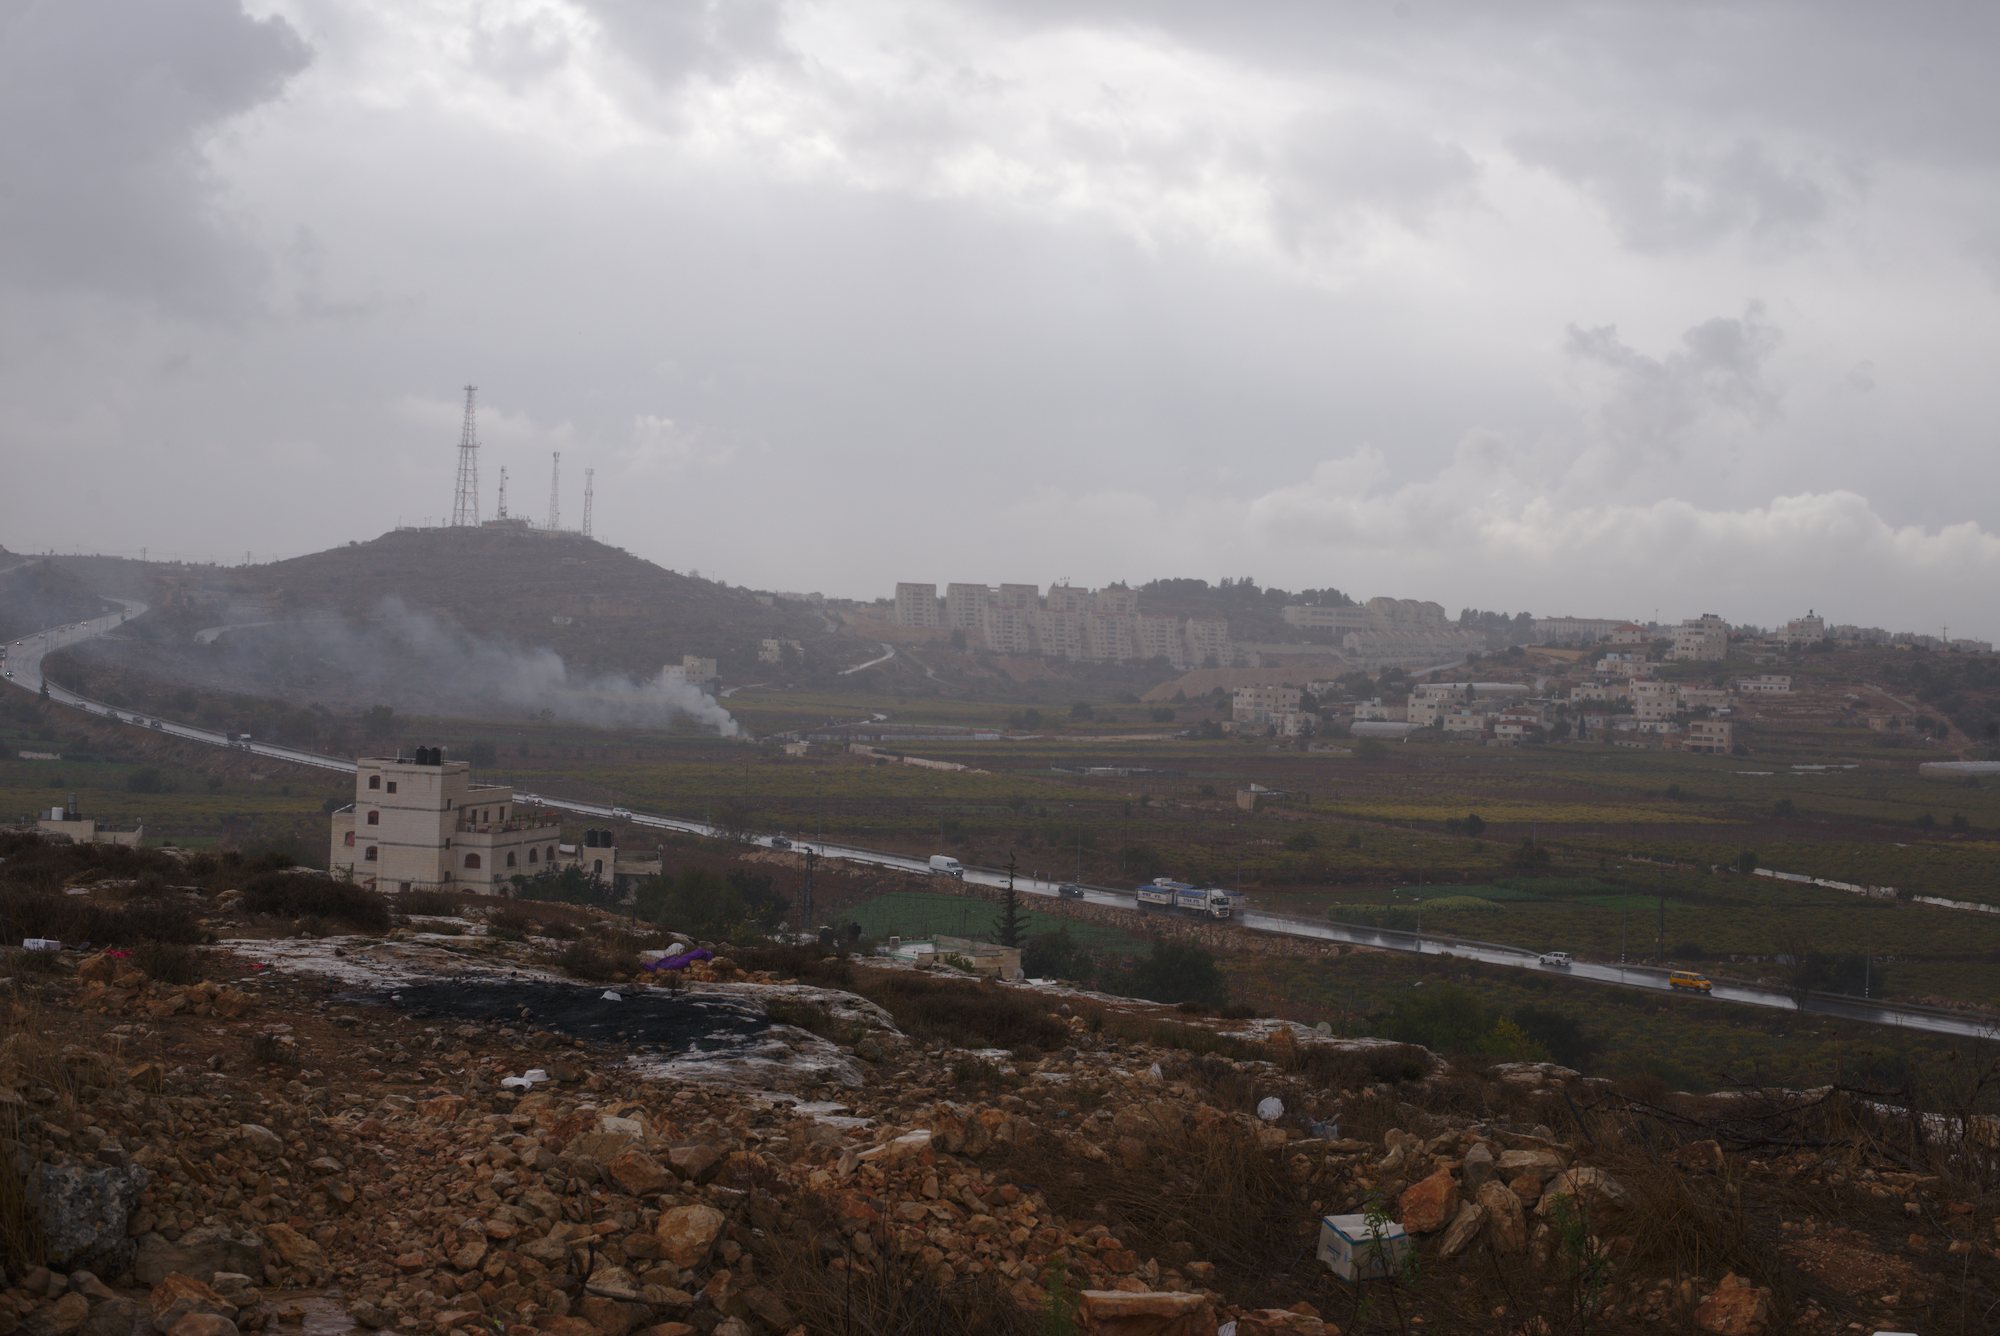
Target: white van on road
x=947 y=866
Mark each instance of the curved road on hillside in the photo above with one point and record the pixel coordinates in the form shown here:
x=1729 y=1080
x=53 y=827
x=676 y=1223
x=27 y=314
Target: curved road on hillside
x=24 y=666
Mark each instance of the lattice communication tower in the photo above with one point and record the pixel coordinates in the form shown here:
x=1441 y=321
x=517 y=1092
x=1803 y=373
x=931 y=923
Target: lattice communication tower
x=465 y=507
x=589 y=490
x=555 y=492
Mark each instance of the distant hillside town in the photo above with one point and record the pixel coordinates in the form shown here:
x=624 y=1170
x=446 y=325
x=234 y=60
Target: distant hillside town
x=1109 y=625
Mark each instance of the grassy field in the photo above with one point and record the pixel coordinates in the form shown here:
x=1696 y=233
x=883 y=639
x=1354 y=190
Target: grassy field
x=1690 y=1043
x=920 y=914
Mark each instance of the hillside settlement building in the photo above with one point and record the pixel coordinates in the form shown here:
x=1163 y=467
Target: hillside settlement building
x=422 y=824
x=1703 y=639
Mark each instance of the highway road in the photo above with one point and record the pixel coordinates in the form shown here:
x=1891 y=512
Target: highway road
x=24 y=663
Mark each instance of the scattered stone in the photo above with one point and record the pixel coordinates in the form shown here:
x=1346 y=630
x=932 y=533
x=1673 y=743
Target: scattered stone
x=1734 y=1308
x=1428 y=1204
x=1145 y=1313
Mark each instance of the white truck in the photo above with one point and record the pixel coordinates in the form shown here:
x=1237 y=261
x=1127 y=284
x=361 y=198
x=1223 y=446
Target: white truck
x=1180 y=897
x=944 y=865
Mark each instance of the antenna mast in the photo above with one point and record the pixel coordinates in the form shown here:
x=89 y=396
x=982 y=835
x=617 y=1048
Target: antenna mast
x=555 y=493
x=589 y=488
x=503 y=493
x=465 y=508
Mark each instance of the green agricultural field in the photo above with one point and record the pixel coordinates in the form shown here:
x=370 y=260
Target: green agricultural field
x=1689 y=1043
x=921 y=914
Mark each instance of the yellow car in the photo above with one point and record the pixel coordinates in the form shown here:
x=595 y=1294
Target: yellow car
x=1689 y=980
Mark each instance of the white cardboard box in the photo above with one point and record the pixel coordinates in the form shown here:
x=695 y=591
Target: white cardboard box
x=1354 y=1249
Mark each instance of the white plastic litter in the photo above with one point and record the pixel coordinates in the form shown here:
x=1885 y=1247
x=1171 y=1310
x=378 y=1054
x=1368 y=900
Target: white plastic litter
x=1270 y=1108
x=1155 y=1072
x=527 y=1080
x=40 y=944
x=613 y=995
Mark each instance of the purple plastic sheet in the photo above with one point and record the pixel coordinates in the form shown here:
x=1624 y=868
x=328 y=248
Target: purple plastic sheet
x=683 y=960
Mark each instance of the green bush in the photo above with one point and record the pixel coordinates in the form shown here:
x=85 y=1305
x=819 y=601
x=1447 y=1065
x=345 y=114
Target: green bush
x=300 y=895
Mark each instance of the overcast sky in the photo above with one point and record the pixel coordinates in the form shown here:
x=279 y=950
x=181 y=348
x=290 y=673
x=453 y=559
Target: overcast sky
x=1595 y=308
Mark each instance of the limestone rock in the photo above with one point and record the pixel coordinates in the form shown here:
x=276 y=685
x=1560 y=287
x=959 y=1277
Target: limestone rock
x=1428 y=1204
x=1464 y=1229
x=1586 y=1184
x=267 y=1145
x=1145 y=1313
x=295 y=1249
x=1734 y=1308
x=1506 y=1221
x=202 y=1324
x=85 y=1212
x=687 y=1233
x=697 y=1161
x=1282 y=1322
x=1477 y=1167
x=639 y=1173
x=200 y=1252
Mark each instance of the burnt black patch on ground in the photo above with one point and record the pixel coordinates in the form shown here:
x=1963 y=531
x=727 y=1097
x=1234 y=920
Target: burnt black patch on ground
x=651 y=1020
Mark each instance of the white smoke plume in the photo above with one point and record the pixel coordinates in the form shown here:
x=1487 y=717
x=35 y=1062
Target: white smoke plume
x=415 y=660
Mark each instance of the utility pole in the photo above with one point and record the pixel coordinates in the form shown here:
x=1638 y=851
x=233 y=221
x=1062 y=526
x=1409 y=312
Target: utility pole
x=555 y=492
x=806 y=895
x=465 y=506
x=1660 y=944
x=503 y=492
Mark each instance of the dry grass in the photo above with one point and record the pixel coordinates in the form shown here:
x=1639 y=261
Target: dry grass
x=861 y=1286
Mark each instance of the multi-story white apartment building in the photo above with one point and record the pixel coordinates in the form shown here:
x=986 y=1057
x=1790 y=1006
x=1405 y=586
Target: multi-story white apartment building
x=1703 y=639
x=917 y=606
x=1068 y=622
x=1601 y=692
x=1575 y=630
x=1765 y=684
x=1312 y=617
x=1626 y=665
x=1654 y=701
x=420 y=823
x=1263 y=705
x=1801 y=631
x=1008 y=628
x=693 y=669
x=1208 y=642
x=1716 y=736
x=965 y=606
x=1465 y=720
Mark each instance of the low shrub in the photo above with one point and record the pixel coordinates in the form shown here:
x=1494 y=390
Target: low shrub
x=595 y=964
x=168 y=962
x=429 y=904
x=300 y=895
x=969 y=1015
x=508 y=924
x=75 y=920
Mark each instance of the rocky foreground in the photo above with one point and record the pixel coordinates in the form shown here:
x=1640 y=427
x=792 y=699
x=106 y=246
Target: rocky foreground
x=285 y=1144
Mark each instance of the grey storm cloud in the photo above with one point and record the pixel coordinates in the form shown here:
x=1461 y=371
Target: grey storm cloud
x=1653 y=402
x=1169 y=287
x=103 y=108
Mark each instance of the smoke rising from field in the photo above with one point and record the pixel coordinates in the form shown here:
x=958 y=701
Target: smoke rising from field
x=414 y=660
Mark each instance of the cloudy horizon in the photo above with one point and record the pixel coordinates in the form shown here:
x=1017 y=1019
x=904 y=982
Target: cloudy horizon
x=1608 y=309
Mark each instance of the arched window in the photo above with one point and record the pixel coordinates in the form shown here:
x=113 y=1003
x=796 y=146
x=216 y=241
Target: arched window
x=349 y=840
x=598 y=867
x=369 y=856
x=510 y=858
x=534 y=857
x=472 y=860
x=552 y=853
x=374 y=818
x=374 y=781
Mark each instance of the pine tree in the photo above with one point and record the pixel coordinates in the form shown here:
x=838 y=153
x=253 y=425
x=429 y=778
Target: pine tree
x=1010 y=926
